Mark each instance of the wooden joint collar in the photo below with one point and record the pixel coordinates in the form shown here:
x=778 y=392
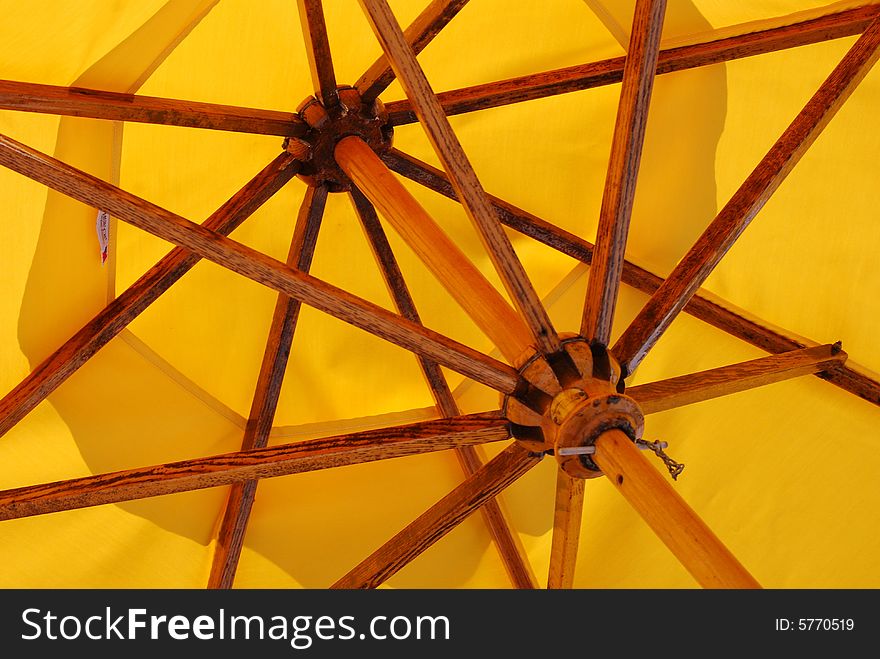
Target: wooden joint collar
x=327 y=127
x=566 y=402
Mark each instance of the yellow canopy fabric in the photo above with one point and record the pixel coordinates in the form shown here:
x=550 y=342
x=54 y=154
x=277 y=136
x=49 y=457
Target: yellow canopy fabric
x=786 y=474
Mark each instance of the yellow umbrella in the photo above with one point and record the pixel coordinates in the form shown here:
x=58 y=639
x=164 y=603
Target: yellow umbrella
x=140 y=424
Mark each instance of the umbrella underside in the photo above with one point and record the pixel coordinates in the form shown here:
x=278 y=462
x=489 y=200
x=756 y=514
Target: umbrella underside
x=178 y=383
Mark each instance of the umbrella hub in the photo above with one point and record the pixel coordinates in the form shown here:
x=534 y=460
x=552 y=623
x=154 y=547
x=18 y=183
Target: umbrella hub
x=327 y=126
x=568 y=401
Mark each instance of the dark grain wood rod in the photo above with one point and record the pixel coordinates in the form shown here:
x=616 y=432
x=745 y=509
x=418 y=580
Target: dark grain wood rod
x=610 y=71
x=419 y=34
x=254 y=265
x=311 y=17
x=512 y=557
x=461 y=174
x=623 y=170
x=230 y=537
x=567 y=514
x=115 y=106
x=715 y=313
x=62 y=363
x=726 y=380
x=440 y=518
x=269 y=462
x=666 y=303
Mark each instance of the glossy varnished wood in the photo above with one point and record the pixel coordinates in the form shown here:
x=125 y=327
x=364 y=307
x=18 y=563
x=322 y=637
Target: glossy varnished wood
x=606 y=72
x=254 y=265
x=79 y=102
x=474 y=199
x=440 y=519
x=297 y=457
x=464 y=282
x=419 y=34
x=716 y=382
x=689 y=538
x=623 y=170
x=567 y=514
x=240 y=501
x=707 y=308
x=62 y=363
x=311 y=18
x=511 y=555
x=666 y=303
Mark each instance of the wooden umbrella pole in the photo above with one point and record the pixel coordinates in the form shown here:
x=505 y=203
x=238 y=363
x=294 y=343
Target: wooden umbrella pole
x=669 y=516
x=467 y=285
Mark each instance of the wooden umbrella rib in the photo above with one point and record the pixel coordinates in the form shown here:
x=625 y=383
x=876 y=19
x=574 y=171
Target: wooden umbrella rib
x=623 y=169
x=726 y=380
x=115 y=106
x=736 y=215
x=269 y=462
x=514 y=562
x=311 y=15
x=62 y=363
x=440 y=519
x=708 y=310
x=401 y=297
x=254 y=265
x=470 y=191
x=567 y=514
x=418 y=35
x=610 y=71
x=458 y=275
x=230 y=537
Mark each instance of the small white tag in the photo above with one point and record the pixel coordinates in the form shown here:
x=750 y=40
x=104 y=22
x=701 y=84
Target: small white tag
x=102 y=226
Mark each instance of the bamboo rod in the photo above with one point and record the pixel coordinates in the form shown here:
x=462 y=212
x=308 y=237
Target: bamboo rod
x=675 y=523
x=467 y=285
